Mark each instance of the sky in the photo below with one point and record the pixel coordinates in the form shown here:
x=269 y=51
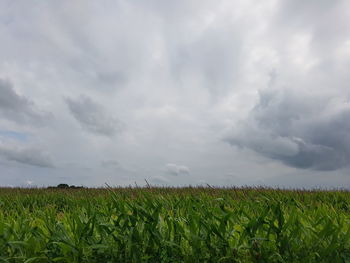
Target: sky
x=187 y=92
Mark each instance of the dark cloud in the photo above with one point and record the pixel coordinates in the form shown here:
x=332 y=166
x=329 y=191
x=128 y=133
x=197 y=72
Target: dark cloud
x=29 y=156
x=299 y=130
x=110 y=164
x=17 y=108
x=92 y=117
x=112 y=78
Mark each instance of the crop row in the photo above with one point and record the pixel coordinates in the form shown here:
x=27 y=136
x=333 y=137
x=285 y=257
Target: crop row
x=151 y=226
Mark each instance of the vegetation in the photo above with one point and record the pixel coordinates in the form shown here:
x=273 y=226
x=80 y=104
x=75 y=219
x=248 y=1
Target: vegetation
x=65 y=186
x=191 y=224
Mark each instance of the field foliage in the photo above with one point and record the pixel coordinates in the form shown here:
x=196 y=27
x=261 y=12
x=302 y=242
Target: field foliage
x=174 y=225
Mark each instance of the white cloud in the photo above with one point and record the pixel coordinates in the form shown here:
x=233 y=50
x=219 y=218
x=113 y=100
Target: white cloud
x=29 y=182
x=175 y=169
x=159 y=181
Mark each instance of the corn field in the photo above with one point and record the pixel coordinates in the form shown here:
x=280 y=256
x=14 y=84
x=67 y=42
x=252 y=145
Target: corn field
x=192 y=224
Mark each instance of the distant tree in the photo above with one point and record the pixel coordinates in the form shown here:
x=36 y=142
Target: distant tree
x=75 y=187
x=63 y=186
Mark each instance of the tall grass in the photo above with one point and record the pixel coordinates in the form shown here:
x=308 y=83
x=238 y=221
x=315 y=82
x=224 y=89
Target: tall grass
x=174 y=225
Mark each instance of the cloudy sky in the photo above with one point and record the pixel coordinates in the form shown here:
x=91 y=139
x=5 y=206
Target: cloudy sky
x=175 y=92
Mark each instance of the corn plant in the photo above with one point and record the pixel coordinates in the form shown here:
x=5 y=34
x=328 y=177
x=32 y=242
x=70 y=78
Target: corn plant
x=193 y=224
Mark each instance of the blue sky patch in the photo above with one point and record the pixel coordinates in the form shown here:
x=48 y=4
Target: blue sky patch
x=19 y=136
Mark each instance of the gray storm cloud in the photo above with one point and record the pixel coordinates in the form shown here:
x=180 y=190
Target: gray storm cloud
x=92 y=117
x=26 y=155
x=110 y=164
x=18 y=108
x=298 y=130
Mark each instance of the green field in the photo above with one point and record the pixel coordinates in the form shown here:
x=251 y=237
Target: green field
x=174 y=225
